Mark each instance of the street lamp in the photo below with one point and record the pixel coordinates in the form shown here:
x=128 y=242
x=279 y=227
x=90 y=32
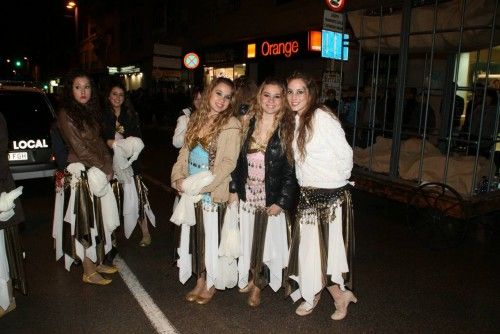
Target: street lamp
x=72 y=5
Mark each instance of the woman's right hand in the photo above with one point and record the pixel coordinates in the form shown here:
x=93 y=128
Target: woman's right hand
x=178 y=185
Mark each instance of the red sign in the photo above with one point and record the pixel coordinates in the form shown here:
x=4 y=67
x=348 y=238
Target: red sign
x=286 y=49
x=191 y=60
x=336 y=5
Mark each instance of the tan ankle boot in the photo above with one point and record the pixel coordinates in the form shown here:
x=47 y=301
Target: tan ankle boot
x=342 y=300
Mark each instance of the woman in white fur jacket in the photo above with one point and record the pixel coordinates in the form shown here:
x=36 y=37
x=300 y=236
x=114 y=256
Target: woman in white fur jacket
x=322 y=247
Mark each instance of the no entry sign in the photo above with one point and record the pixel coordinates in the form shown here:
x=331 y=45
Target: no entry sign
x=336 y=5
x=191 y=60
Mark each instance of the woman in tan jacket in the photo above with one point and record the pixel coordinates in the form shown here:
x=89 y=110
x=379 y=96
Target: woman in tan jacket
x=212 y=143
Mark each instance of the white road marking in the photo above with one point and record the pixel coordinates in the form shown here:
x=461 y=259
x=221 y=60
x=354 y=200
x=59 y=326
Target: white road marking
x=158 y=183
x=154 y=314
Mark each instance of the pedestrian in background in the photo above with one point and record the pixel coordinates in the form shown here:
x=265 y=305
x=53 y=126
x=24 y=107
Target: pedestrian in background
x=212 y=144
x=92 y=214
x=120 y=121
x=244 y=96
x=183 y=120
x=331 y=100
x=264 y=182
x=11 y=214
x=322 y=247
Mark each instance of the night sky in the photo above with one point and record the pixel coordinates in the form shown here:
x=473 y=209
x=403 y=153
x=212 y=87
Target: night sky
x=42 y=30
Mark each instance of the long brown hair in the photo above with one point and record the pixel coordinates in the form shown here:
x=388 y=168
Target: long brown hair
x=284 y=118
x=245 y=92
x=305 y=130
x=127 y=105
x=88 y=113
x=200 y=117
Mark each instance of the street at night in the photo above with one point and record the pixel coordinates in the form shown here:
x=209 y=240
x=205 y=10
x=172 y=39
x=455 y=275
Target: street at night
x=285 y=166
x=402 y=286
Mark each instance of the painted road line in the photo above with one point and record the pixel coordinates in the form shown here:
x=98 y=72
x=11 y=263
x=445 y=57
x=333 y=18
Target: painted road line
x=158 y=183
x=152 y=311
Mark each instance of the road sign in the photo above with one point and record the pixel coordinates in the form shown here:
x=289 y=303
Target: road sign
x=333 y=21
x=191 y=60
x=336 y=5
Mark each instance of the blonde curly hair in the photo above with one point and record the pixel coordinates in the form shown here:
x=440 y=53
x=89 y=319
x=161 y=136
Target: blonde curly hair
x=284 y=119
x=200 y=117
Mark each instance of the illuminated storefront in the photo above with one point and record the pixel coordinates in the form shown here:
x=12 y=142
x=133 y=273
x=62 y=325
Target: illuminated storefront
x=258 y=59
x=232 y=72
x=132 y=76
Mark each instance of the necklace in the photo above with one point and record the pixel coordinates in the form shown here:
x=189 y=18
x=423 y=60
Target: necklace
x=257 y=135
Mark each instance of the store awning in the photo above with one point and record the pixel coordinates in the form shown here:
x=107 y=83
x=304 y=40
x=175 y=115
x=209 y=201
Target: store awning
x=478 y=19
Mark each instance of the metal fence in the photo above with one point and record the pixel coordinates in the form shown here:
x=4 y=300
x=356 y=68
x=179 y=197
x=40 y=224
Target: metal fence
x=422 y=104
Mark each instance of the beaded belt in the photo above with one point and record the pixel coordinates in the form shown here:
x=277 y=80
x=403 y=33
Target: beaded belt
x=310 y=196
x=198 y=165
x=313 y=199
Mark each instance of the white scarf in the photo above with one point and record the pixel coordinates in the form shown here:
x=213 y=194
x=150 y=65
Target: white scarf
x=7 y=203
x=127 y=151
x=100 y=187
x=192 y=185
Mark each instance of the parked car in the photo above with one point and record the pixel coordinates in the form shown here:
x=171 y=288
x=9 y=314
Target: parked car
x=29 y=117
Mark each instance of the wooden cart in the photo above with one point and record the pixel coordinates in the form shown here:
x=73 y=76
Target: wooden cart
x=402 y=48
x=437 y=214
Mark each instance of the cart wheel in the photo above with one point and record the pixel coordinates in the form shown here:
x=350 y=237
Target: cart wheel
x=436 y=214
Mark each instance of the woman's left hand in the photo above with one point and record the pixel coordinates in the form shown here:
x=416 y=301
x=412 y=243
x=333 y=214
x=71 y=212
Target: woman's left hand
x=273 y=210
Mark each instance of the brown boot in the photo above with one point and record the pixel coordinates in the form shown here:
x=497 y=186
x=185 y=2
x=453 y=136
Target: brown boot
x=254 y=299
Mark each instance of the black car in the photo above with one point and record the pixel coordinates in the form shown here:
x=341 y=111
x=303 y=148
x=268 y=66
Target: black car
x=29 y=117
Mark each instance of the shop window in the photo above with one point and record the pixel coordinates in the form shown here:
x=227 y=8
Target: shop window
x=230 y=72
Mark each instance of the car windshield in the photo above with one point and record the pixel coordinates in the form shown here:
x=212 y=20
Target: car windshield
x=28 y=115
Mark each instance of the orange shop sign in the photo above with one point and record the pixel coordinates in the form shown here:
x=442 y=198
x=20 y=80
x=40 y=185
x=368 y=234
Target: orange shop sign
x=286 y=49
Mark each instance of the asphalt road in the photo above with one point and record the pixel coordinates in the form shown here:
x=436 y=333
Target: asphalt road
x=402 y=286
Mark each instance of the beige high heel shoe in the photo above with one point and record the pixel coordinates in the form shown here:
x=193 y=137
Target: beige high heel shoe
x=248 y=288
x=205 y=296
x=305 y=308
x=341 y=303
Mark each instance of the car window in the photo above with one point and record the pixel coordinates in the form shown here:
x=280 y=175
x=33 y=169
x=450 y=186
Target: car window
x=28 y=114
